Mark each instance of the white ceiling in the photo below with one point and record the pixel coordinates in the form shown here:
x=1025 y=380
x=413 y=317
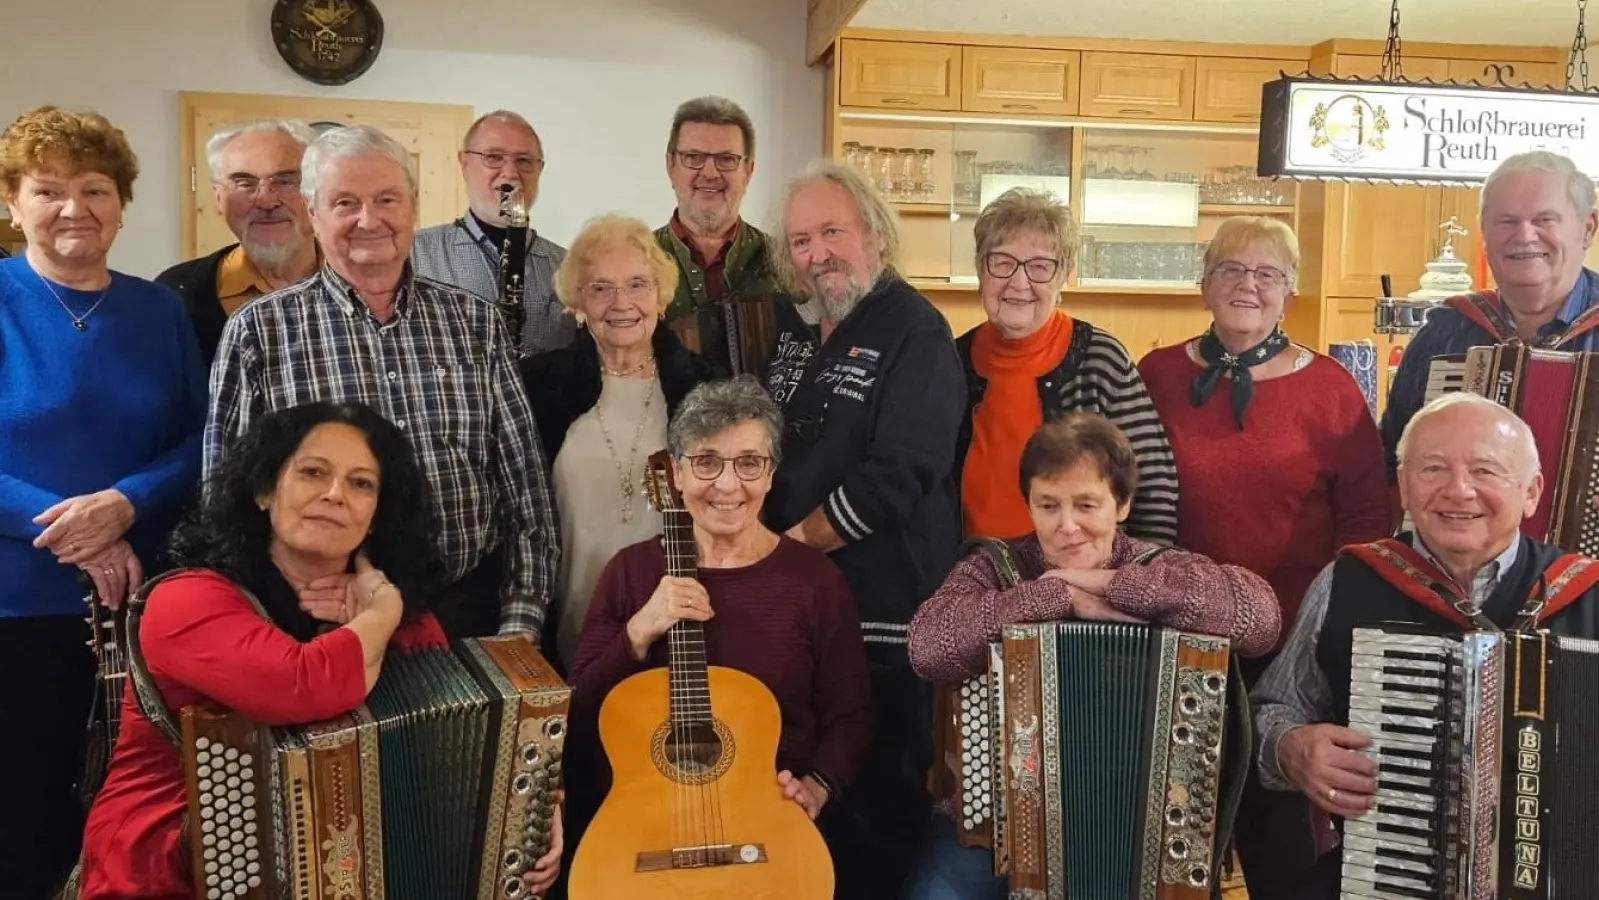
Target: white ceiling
x=1536 y=22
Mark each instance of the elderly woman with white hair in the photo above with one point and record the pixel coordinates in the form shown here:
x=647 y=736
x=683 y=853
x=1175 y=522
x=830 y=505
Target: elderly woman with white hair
x=602 y=404
x=255 y=179
x=1538 y=221
x=435 y=360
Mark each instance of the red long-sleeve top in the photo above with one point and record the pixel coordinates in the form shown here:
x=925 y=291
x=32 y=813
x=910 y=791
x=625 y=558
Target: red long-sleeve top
x=950 y=634
x=1303 y=478
x=789 y=620
x=203 y=641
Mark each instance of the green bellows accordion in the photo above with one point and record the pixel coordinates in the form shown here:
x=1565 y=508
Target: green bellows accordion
x=1095 y=767
x=441 y=785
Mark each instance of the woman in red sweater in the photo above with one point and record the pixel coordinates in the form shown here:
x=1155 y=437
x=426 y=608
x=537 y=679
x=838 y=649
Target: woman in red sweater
x=268 y=619
x=772 y=607
x=1279 y=462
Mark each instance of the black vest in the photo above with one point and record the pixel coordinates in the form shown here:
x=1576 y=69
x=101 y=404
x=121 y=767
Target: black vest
x=1361 y=598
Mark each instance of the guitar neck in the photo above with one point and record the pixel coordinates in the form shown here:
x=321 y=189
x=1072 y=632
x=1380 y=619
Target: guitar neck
x=690 y=693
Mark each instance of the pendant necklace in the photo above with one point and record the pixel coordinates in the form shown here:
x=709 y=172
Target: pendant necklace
x=78 y=322
x=623 y=473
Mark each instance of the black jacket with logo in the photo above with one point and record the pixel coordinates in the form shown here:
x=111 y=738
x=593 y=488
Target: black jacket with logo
x=872 y=416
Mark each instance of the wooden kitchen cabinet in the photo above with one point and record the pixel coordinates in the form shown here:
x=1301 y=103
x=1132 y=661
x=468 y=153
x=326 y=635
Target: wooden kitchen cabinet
x=1138 y=86
x=1228 y=90
x=900 y=75
x=1015 y=80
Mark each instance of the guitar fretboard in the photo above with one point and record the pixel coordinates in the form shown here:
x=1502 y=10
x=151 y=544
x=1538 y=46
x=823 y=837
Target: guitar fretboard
x=689 y=685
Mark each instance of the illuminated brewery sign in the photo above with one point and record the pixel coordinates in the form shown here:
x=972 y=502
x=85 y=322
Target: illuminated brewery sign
x=1326 y=128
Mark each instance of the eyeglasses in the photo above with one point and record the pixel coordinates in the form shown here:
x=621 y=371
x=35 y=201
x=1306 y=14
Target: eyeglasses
x=604 y=290
x=1265 y=276
x=709 y=466
x=496 y=161
x=1039 y=269
x=249 y=185
x=694 y=159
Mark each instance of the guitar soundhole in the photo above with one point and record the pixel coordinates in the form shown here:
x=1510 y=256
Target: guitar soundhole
x=694 y=748
x=694 y=752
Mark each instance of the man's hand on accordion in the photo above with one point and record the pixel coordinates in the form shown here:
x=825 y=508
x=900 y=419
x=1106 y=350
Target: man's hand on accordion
x=1321 y=760
x=539 y=878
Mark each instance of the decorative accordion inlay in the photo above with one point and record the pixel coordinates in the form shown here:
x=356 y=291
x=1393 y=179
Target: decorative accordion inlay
x=228 y=833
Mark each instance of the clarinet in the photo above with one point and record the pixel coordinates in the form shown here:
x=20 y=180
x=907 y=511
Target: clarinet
x=513 y=262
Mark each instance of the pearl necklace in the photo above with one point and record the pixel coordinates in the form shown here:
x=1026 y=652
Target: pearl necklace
x=629 y=372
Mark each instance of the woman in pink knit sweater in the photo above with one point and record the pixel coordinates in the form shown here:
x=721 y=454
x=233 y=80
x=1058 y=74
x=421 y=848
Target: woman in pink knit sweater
x=1078 y=475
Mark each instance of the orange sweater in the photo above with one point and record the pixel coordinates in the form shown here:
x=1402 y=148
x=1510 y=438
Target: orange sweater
x=991 y=501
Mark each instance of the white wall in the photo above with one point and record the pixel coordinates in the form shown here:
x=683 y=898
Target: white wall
x=598 y=78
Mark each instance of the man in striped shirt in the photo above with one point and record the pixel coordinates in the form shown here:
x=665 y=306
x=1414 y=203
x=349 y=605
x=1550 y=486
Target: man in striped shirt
x=433 y=359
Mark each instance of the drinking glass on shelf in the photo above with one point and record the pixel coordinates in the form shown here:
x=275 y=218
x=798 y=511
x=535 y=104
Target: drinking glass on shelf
x=1110 y=170
x=852 y=155
x=1144 y=173
x=966 y=180
x=865 y=161
x=883 y=172
x=925 y=186
x=907 y=187
x=1091 y=162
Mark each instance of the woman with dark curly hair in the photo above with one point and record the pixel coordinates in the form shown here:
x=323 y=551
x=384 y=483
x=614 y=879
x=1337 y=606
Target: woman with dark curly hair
x=320 y=493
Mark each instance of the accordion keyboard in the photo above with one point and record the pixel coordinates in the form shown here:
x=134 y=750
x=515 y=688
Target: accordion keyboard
x=976 y=754
x=228 y=831
x=1399 y=696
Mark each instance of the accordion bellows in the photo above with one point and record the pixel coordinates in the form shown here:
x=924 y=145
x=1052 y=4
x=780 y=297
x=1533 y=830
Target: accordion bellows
x=1484 y=744
x=1091 y=760
x=441 y=785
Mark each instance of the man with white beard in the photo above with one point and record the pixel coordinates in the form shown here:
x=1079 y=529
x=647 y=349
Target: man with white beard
x=255 y=176
x=873 y=394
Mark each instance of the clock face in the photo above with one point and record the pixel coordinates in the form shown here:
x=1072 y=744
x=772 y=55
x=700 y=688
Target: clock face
x=327 y=41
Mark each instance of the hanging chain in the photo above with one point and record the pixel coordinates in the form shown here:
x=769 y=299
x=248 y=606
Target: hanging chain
x=1579 y=51
x=1393 y=65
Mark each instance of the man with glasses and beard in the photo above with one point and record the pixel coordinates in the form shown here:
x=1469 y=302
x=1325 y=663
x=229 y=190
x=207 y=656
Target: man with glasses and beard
x=725 y=278
x=500 y=148
x=255 y=176
x=873 y=392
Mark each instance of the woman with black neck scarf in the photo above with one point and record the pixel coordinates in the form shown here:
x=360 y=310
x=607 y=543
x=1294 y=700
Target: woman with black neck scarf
x=1279 y=464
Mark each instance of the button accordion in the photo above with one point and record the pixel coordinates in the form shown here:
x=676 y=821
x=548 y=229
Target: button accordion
x=1550 y=391
x=1484 y=744
x=441 y=785
x=1090 y=757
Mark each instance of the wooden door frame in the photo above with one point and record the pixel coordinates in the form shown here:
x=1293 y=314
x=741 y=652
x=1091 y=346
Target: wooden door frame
x=190 y=177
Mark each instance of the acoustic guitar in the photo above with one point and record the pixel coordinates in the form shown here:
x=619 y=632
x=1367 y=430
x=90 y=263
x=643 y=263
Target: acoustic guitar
x=694 y=810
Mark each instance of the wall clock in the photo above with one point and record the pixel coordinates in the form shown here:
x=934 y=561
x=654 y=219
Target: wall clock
x=329 y=42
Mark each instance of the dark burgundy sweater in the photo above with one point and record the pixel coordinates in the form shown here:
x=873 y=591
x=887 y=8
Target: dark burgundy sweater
x=788 y=620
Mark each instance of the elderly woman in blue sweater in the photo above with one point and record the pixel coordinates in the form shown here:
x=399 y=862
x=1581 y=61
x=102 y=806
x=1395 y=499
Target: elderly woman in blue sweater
x=102 y=403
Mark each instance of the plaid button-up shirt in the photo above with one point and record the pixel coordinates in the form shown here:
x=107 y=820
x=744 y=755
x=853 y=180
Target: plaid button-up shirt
x=440 y=371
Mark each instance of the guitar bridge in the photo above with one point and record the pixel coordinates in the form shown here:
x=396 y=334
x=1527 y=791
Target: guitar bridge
x=705 y=857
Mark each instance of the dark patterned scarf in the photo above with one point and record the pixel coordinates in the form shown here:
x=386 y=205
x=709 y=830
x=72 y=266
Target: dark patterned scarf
x=1218 y=362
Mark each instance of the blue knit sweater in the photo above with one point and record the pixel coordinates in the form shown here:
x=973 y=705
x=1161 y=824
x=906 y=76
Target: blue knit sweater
x=120 y=404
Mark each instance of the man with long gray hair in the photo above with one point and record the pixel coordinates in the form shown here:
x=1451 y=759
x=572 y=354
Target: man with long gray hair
x=872 y=389
x=431 y=358
x=255 y=178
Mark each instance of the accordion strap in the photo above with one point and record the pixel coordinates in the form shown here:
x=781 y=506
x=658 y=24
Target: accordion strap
x=145 y=693
x=1402 y=566
x=1012 y=569
x=1487 y=311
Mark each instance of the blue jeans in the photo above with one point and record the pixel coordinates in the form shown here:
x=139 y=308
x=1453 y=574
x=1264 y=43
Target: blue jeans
x=944 y=870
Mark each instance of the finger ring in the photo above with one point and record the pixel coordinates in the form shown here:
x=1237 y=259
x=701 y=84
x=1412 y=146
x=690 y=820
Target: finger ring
x=1332 y=795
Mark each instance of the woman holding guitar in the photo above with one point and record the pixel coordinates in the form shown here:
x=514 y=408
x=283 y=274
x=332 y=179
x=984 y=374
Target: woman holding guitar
x=715 y=648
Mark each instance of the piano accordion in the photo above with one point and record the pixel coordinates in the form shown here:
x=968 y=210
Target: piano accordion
x=441 y=785
x=1090 y=760
x=1484 y=745
x=1557 y=394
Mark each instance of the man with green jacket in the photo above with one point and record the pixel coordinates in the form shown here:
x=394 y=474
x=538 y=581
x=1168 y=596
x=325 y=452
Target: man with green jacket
x=723 y=305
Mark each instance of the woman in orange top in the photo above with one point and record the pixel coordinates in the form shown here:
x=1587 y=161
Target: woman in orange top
x=1030 y=363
